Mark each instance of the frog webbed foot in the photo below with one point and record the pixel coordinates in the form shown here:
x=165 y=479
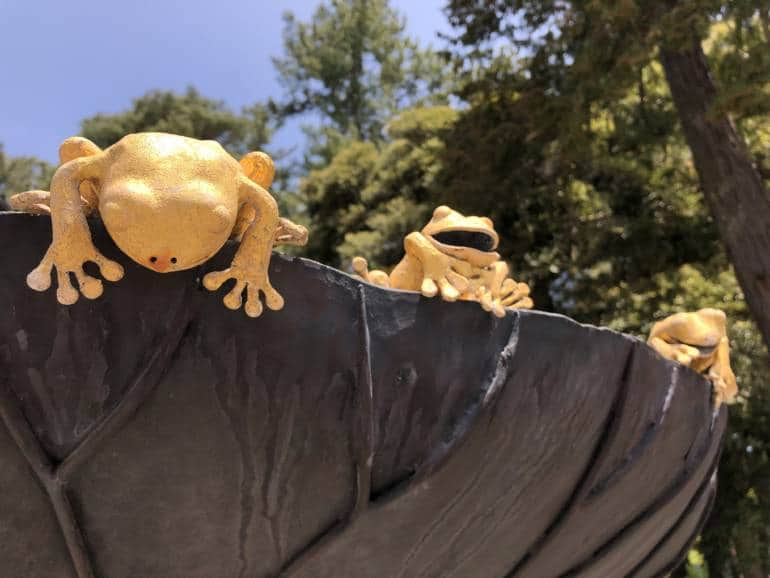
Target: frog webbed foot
x=375 y=277
x=70 y=260
x=290 y=233
x=33 y=202
x=450 y=284
x=250 y=279
x=511 y=294
x=515 y=294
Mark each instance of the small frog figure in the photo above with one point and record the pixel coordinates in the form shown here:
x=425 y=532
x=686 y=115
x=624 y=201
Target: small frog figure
x=699 y=340
x=455 y=256
x=170 y=203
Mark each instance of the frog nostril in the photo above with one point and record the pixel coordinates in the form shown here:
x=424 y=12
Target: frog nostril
x=173 y=260
x=153 y=259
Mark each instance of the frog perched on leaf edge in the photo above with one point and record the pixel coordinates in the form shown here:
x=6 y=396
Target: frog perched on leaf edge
x=698 y=340
x=170 y=203
x=453 y=256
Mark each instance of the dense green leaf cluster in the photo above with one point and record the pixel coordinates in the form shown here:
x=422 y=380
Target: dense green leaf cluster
x=372 y=195
x=354 y=66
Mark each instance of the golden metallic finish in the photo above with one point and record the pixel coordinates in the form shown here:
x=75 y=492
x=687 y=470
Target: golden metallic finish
x=699 y=340
x=169 y=203
x=455 y=256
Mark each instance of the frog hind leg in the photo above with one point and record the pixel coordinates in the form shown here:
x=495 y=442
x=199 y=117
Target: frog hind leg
x=287 y=233
x=407 y=275
x=375 y=277
x=39 y=202
x=77 y=147
x=290 y=233
x=259 y=167
x=33 y=202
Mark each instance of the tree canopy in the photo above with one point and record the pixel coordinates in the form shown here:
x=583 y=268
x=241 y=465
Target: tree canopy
x=372 y=195
x=189 y=114
x=354 y=66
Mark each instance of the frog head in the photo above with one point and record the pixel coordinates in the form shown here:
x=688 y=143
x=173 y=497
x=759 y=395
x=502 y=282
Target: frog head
x=171 y=232
x=470 y=239
x=169 y=202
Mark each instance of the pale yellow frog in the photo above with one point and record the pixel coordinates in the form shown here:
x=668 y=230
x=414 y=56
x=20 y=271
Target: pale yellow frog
x=169 y=203
x=454 y=256
x=699 y=340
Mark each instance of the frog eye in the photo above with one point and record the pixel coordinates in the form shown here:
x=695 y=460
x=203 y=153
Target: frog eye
x=441 y=212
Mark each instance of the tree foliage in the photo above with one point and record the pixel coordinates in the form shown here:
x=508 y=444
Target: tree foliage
x=371 y=195
x=354 y=66
x=189 y=114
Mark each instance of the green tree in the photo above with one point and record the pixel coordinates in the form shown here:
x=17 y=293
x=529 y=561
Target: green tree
x=372 y=194
x=18 y=174
x=189 y=114
x=354 y=66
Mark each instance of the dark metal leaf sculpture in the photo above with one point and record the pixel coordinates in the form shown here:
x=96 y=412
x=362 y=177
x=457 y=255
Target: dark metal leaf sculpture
x=358 y=433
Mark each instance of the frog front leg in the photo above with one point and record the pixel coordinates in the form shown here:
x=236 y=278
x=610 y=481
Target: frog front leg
x=251 y=261
x=437 y=273
x=72 y=246
x=721 y=374
x=499 y=291
x=679 y=337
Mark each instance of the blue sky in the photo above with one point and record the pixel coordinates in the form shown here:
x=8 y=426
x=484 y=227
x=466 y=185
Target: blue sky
x=64 y=60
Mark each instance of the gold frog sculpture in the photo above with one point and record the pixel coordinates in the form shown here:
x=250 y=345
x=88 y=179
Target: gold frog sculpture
x=170 y=203
x=699 y=340
x=453 y=256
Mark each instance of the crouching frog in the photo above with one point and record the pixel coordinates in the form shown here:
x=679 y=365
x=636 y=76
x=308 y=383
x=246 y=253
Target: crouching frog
x=454 y=256
x=699 y=340
x=170 y=203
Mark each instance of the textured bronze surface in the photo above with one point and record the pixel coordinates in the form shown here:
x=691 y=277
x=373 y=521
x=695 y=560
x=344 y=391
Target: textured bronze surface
x=359 y=433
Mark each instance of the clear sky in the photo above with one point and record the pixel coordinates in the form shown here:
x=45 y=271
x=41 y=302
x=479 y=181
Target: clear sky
x=64 y=60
